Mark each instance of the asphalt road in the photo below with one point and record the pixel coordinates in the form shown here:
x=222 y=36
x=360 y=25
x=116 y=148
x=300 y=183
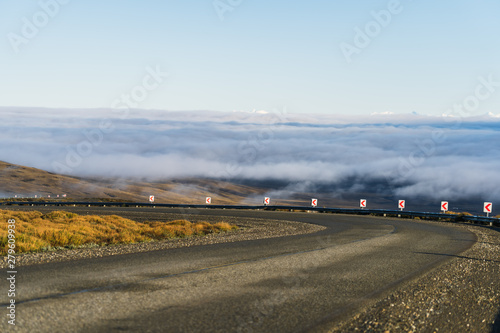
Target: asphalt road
x=290 y=284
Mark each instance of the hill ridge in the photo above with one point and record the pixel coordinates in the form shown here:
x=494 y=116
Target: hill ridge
x=28 y=181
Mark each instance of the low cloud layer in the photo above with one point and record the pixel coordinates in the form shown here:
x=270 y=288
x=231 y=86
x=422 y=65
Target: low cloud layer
x=442 y=158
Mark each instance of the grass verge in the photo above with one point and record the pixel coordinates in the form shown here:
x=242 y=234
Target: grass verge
x=37 y=232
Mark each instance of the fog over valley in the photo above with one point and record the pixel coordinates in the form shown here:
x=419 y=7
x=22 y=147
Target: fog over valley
x=409 y=156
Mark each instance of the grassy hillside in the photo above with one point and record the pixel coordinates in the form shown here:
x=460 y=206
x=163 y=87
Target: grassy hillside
x=25 y=181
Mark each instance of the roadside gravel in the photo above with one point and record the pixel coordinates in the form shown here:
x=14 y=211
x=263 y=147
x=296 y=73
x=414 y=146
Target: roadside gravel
x=249 y=229
x=463 y=295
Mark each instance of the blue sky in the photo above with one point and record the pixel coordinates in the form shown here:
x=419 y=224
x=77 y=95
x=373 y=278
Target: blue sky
x=261 y=55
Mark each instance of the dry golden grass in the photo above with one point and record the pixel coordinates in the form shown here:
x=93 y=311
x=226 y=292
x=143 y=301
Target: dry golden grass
x=36 y=231
x=457 y=213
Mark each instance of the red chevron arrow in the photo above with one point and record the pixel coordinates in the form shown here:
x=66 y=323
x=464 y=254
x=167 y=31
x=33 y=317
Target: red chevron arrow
x=363 y=203
x=445 y=205
x=402 y=203
x=488 y=207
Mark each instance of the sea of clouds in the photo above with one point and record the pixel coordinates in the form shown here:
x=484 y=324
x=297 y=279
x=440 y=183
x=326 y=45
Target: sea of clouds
x=411 y=155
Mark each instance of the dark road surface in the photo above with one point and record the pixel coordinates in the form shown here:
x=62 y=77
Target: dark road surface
x=289 y=284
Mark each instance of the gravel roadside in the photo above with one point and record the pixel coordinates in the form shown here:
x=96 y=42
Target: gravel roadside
x=462 y=295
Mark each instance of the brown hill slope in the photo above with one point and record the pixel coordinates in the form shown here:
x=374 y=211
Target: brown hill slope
x=28 y=182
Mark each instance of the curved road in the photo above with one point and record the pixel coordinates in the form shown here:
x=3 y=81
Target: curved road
x=289 y=284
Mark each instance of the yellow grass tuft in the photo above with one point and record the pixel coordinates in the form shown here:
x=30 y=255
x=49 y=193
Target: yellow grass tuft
x=457 y=213
x=41 y=232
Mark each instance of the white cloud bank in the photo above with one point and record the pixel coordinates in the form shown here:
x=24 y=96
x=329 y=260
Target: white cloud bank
x=407 y=155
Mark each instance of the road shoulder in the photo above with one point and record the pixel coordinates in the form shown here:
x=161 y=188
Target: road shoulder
x=462 y=295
